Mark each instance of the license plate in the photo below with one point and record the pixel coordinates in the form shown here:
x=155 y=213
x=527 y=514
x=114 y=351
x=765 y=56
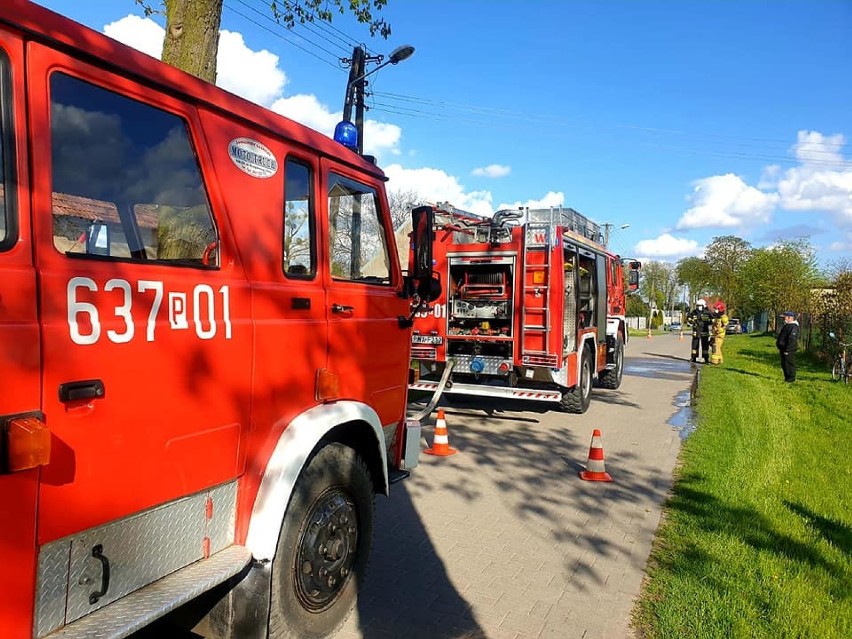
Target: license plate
x=427 y=339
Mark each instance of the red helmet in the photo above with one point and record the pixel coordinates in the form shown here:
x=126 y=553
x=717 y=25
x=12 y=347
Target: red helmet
x=720 y=306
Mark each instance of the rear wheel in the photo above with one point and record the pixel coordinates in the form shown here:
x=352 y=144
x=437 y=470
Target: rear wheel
x=836 y=370
x=611 y=378
x=577 y=399
x=323 y=546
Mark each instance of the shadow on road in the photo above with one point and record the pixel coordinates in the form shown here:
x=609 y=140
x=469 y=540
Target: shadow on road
x=407 y=592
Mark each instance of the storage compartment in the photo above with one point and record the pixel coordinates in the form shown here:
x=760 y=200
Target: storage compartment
x=480 y=298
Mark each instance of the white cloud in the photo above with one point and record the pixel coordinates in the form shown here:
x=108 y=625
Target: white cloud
x=667 y=245
x=552 y=198
x=812 y=147
x=308 y=110
x=727 y=201
x=379 y=137
x=142 y=34
x=255 y=75
x=823 y=182
x=492 y=171
x=434 y=185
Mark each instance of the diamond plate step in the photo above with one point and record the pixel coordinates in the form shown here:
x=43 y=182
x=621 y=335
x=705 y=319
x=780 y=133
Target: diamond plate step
x=137 y=610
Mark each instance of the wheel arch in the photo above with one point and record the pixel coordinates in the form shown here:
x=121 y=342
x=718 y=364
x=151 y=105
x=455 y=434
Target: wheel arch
x=351 y=423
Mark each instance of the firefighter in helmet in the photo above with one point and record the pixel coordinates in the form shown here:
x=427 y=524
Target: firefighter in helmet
x=720 y=324
x=700 y=320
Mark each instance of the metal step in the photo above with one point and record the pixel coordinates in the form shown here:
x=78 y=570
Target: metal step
x=135 y=611
x=535 y=328
x=483 y=390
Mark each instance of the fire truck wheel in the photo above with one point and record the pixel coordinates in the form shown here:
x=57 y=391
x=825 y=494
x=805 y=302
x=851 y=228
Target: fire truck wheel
x=612 y=378
x=577 y=399
x=323 y=546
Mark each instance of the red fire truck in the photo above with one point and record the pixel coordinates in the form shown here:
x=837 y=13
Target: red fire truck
x=533 y=308
x=204 y=343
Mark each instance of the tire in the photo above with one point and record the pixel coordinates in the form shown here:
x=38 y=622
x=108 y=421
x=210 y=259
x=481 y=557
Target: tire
x=611 y=378
x=323 y=546
x=577 y=399
x=836 y=371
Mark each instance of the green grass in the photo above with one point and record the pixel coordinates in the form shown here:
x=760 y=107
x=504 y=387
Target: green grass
x=756 y=539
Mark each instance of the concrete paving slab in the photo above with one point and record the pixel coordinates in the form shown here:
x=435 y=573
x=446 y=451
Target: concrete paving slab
x=505 y=540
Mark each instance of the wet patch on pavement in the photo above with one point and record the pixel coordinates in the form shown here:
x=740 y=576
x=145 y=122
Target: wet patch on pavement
x=658 y=367
x=683 y=421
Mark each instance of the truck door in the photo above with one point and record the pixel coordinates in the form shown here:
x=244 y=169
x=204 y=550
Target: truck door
x=20 y=356
x=367 y=348
x=146 y=342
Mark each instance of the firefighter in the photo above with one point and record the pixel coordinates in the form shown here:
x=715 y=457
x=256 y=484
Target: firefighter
x=720 y=325
x=700 y=320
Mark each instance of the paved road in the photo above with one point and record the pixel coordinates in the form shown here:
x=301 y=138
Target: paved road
x=503 y=540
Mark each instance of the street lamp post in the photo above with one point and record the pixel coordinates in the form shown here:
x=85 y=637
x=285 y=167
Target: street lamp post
x=356 y=89
x=607 y=226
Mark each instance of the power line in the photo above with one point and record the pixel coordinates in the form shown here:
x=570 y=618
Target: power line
x=278 y=32
x=819 y=156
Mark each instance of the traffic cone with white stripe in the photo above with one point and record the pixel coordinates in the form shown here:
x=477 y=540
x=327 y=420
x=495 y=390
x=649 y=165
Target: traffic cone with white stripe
x=595 y=470
x=441 y=440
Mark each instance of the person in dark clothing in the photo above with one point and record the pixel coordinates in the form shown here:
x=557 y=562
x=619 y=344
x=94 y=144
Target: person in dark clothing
x=788 y=343
x=700 y=319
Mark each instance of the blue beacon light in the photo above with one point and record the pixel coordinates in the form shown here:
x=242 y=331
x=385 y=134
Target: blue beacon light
x=346 y=134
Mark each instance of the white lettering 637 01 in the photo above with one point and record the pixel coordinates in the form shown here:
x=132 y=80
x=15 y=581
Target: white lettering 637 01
x=200 y=306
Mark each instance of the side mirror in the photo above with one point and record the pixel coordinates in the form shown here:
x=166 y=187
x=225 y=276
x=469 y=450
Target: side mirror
x=633 y=280
x=97 y=239
x=422 y=237
x=429 y=290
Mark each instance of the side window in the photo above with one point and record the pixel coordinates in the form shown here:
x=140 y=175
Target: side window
x=357 y=242
x=299 y=252
x=7 y=231
x=126 y=181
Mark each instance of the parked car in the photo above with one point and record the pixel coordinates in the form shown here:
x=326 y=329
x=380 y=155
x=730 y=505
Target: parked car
x=734 y=327
x=675 y=326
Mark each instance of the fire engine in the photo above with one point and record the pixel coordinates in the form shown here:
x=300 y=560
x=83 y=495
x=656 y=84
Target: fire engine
x=204 y=343
x=533 y=308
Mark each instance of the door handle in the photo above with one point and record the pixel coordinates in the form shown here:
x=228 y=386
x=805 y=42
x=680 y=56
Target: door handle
x=98 y=553
x=83 y=389
x=341 y=308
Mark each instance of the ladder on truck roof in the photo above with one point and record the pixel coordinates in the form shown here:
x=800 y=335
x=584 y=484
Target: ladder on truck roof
x=535 y=307
x=569 y=220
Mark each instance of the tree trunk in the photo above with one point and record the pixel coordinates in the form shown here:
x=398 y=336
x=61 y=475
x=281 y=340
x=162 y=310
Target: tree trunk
x=192 y=36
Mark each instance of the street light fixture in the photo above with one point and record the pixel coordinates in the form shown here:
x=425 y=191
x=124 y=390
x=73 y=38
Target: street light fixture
x=607 y=226
x=346 y=133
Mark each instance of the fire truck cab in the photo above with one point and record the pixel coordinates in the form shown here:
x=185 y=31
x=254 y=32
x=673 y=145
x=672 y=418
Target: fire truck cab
x=204 y=344
x=533 y=308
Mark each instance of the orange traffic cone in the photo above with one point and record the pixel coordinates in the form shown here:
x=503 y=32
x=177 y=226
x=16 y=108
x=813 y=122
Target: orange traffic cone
x=441 y=440
x=595 y=470
x=649 y=332
x=680 y=339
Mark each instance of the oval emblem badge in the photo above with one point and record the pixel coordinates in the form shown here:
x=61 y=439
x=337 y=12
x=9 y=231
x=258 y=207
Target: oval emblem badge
x=252 y=157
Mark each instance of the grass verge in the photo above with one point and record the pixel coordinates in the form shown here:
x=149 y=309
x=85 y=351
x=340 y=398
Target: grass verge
x=756 y=539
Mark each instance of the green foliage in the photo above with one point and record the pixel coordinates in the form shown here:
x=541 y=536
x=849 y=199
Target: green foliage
x=756 y=536
x=726 y=256
x=659 y=283
x=636 y=307
x=695 y=274
x=779 y=277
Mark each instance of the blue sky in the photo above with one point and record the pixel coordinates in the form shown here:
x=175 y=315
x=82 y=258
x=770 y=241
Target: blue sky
x=686 y=120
